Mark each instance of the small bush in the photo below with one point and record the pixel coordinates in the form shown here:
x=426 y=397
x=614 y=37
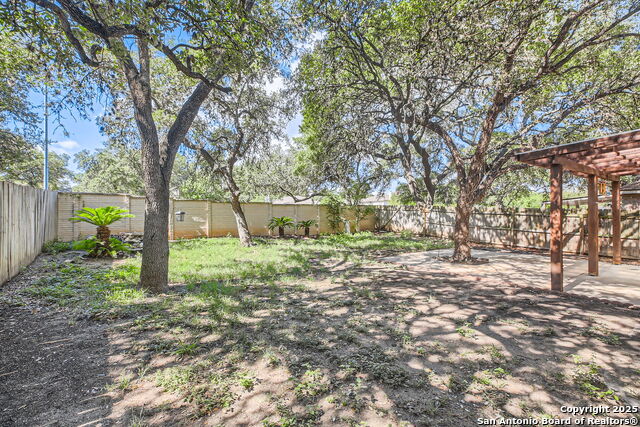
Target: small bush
x=98 y=248
x=281 y=223
x=55 y=246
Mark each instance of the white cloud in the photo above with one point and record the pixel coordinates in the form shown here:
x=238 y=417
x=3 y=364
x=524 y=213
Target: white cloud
x=274 y=85
x=293 y=127
x=65 y=147
x=313 y=38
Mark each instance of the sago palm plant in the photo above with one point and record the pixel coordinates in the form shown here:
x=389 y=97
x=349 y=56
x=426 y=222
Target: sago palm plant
x=280 y=223
x=306 y=225
x=102 y=218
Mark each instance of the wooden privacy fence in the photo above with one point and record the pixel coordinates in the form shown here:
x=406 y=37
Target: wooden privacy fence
x=202 y=218
x=524 y=228
x=28 y=219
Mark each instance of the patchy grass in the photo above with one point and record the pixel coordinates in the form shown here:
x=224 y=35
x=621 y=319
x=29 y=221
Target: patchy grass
x=305 y=332
x=202 y=260
x=94 y=289
x=55 y=246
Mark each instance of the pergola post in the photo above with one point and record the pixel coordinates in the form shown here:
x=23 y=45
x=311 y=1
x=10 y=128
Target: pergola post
x=555 y=244
x=593 y=224
x=615 y=220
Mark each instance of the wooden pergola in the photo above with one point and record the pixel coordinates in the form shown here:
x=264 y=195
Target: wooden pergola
x=606 y=158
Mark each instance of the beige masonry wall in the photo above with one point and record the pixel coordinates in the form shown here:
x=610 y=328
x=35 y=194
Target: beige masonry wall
x=28 y=219
x=202 y=218
x=524 y=228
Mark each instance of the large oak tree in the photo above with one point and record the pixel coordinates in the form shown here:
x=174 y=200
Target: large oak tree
x=484 y=79
x=237 y=129
x=204 y=40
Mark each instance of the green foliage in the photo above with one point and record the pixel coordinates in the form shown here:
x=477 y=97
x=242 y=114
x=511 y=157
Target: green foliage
x=311 y=384
x=98 y=291
x=280 y=222
x=22 y=162
x=335 y=206
x=101 y=217
x=55 y=246
x=306 y=223
x=464 y=329
x=98 y=248
x=116 y=167
x=589 y=379
x=361 y=92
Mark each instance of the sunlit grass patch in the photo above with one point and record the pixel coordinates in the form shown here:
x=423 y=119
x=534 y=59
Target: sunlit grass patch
x=375 y=242
x=208 y=387
x=223 y=259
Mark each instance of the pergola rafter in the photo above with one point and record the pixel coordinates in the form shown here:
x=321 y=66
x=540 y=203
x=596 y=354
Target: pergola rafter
x=608 y=157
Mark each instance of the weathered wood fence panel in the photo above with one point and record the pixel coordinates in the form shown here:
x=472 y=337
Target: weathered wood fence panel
x=524 y=228
x=28 y=219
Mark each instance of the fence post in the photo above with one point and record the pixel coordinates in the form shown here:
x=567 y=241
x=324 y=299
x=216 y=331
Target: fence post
x=514 y=231
x=172 y=219
x=128 y=198
x=209 y=219
x=207 y=214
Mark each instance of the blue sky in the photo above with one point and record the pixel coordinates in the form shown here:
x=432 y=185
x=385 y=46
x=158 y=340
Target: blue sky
x=84 y=133
x=74 y=134
x=81 y=133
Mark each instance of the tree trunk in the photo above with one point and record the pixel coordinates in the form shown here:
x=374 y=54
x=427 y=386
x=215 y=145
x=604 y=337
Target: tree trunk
x=281 y=231
x=462 y=250
x=306 y=232
x=155 y=255
x=103 y=233
x=241 y=221
x=154 y=270
x=157 y=163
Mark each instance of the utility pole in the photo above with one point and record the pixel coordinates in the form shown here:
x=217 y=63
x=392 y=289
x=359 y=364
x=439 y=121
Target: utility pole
x=46 y=138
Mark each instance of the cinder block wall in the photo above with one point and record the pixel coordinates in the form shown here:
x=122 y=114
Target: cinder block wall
x=203 y=218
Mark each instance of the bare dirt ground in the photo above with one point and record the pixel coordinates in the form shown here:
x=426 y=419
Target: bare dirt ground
x=371 y=344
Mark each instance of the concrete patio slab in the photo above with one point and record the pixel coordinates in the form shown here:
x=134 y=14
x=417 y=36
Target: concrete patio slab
x=620 y=283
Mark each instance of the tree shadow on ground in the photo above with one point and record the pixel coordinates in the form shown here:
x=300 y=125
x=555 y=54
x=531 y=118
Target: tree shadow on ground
x=384 y=345
x=361 y=342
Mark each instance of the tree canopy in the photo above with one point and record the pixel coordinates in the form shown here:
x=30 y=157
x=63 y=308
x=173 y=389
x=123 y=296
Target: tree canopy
x=456 y=88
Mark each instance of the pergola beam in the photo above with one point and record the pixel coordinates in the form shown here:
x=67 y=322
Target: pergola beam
x=604 y=153
x=615 y=161
x=594 y=143
x=574 y=166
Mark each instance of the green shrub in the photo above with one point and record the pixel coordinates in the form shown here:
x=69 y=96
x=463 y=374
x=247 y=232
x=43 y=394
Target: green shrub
x=55 y=246
x=335 y=206
x=102 y=218
x=98 y=248
x=280 y=223
x=306 y=225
